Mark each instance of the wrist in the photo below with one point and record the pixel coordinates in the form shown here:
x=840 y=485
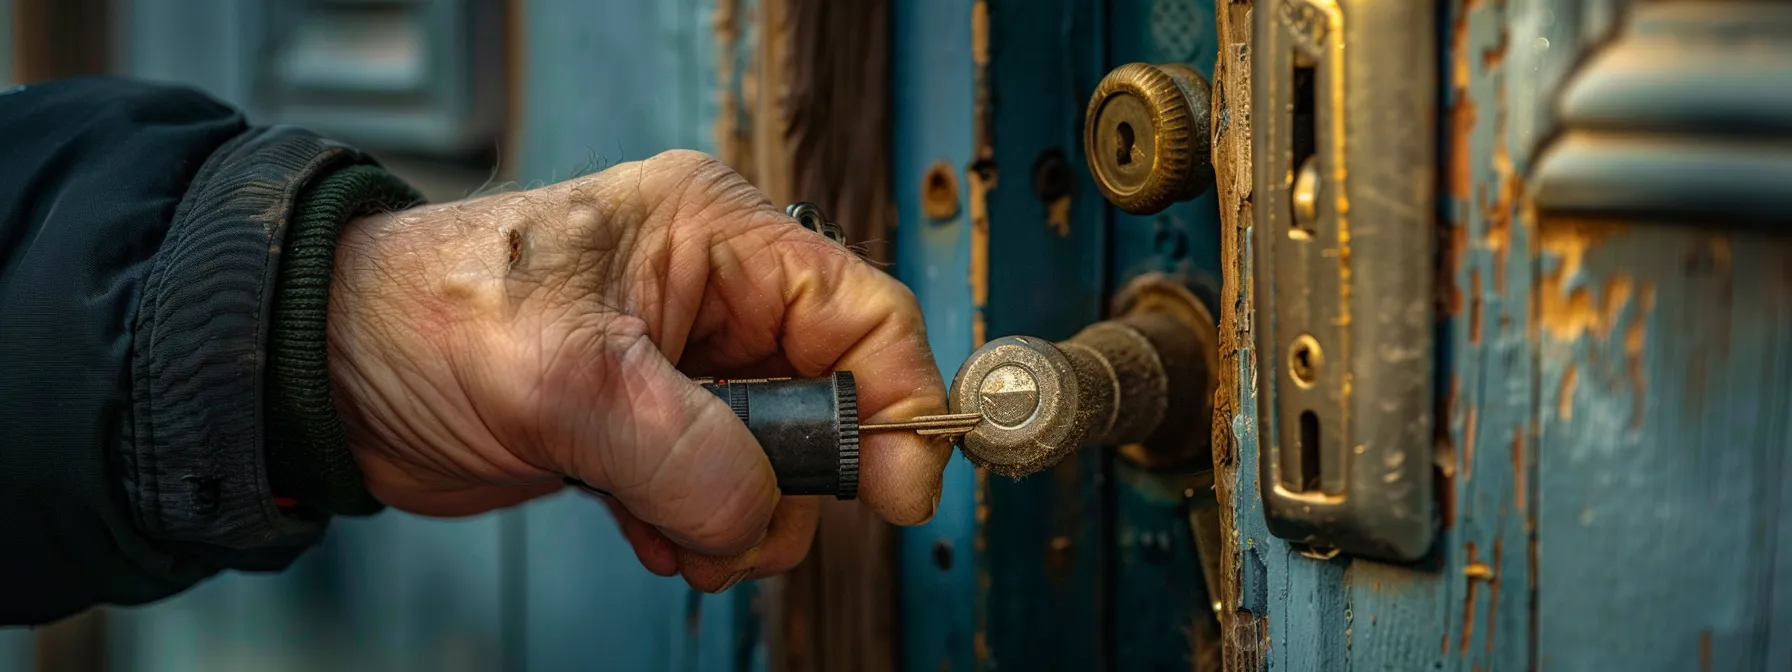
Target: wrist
x=306 y=449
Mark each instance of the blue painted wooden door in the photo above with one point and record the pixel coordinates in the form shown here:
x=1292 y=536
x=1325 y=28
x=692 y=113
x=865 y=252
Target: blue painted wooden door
x=1612 y=396
x=1614 y=306
x=1090 y=565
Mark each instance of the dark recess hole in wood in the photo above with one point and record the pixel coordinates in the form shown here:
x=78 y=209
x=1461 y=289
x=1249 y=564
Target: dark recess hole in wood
x=942 y=554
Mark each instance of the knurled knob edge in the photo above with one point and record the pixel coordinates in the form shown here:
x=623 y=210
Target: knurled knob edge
x=846 y=391
x=1172 y=127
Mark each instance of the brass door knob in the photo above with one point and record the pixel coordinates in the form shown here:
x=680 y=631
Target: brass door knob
x=1146 y=136
x=1142 y=381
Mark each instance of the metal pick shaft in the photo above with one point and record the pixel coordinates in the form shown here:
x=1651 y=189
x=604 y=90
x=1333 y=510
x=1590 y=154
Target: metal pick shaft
x=930 y=425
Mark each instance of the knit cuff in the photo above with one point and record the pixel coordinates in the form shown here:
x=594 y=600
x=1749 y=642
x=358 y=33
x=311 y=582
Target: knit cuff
x=307 y=457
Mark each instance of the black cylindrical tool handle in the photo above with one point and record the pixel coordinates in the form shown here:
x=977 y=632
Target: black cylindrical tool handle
x=808 y=427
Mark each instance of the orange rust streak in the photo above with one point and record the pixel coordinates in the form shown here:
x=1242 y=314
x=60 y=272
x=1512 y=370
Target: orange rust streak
x=1462 y=126
x=1474 y=306
x=1617 y=293
x=1565 y=404
x=1468 y=444
x=1057 y=216
x=1468 y=603
x=981 y=175
x=1565 y=314
x=1519 y=472
x=1495 y=57
x=979 y=201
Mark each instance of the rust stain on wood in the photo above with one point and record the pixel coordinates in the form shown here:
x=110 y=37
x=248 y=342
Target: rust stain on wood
x=1449 y=293
x=1467 y=461
x=981 y=174
x=1468 y=601
x=1493 y=58
x=1057 y=215
x=1564 y=307
x=1705 y=650
x=1565 y=399
x=1519 y=473
x=1462 y=113
x=1499 y=212
x=1474 y=306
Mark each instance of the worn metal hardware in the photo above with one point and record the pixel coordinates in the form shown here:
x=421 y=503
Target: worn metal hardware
x=1682 y=117
x=1146 y=136
x=1144 y=379
x=812 y=218
x=952 y=424
x=1343 y=238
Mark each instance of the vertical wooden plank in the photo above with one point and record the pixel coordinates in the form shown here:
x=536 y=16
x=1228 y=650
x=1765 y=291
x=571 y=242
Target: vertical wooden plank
x=1665 y=398
x=1242 y=600
x=58 y=39
x=1163 y=616
x=931 y=78
x=1153 y=538
x=1045 y=541
x=7 y=43
x=823 y=138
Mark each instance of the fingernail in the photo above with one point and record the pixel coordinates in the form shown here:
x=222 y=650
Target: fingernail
x=734 y=579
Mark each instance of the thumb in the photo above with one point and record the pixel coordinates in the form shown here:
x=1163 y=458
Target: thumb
x=671 y=452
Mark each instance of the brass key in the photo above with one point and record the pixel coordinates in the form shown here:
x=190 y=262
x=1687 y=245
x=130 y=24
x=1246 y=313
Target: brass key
x=954 y=424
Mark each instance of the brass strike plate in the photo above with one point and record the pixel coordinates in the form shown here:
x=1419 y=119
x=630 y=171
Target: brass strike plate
x=1342 y=237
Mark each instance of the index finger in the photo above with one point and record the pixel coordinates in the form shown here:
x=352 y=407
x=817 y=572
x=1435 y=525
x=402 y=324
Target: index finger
x=782 y=297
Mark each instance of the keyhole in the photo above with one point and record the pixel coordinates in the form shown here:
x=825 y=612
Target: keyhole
x=1304 y=360
x=1123 y=153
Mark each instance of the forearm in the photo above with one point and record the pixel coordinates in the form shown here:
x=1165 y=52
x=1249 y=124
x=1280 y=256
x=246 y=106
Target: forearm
x=141 y=297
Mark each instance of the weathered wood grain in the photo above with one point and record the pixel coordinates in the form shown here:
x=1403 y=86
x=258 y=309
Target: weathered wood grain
x=1043 y=561
x=804 y=112
x=931 y=86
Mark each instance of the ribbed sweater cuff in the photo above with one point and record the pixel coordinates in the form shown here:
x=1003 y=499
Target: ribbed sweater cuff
x=307 y=457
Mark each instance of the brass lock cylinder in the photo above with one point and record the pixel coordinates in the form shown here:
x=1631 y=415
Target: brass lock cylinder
x=1146 y=136
x=1142 y=380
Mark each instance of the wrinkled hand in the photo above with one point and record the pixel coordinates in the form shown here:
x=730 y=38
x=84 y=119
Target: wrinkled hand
x=480 y=350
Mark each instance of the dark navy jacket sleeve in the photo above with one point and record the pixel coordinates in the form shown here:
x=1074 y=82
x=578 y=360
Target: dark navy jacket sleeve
x=142 y=230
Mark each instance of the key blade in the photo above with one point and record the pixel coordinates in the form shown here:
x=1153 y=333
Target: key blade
x=929 y=425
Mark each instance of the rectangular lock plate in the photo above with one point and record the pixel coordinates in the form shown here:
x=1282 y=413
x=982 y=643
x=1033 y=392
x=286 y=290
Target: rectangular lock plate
x=1344 y=113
